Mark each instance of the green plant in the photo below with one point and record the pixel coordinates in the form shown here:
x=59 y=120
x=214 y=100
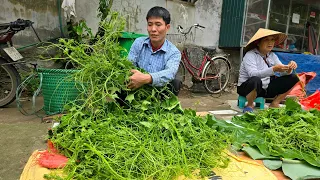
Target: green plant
x=104 y=8
x=80 y=32
x=150 y=138
x=115 y=144
x=30 y=86
x=288 y=132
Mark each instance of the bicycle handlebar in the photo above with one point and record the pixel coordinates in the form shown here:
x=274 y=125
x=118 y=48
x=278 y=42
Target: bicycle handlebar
x=18 y=25
x=14 y=27
x=189 y=29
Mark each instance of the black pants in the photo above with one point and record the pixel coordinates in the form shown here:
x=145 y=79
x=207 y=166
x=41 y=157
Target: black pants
x=174 y=86
x=276 y=86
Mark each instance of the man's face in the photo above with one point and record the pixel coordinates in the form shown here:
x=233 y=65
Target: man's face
x=157 y=29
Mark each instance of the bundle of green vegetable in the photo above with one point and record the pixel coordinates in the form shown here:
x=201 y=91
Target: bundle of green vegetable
x=119 y=145
x=151 y=138
x=288 y=132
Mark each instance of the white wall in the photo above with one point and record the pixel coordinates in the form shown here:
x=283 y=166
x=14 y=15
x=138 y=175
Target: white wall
x=44 y=14
x=208 y=14
x=87 y=10
x=204 y=12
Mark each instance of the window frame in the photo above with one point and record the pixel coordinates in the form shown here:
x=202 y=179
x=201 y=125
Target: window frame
x=189 y=2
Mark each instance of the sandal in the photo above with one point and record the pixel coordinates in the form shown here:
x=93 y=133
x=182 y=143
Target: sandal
x=247 y=109
x=274 y=106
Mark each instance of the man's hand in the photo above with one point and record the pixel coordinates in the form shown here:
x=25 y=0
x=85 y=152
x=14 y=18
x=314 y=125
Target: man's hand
x=292 y=65
x=138 y=79
x=280 y=68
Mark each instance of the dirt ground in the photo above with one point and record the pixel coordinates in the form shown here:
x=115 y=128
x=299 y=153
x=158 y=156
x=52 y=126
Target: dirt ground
x=20 y=135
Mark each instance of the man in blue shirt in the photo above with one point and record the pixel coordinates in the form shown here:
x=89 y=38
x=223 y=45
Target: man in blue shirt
x=155 y=54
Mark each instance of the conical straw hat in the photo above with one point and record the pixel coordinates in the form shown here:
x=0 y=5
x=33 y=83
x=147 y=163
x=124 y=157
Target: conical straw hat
x=261 y=33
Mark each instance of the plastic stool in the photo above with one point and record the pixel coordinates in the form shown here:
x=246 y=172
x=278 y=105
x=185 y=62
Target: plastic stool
x=259 y=102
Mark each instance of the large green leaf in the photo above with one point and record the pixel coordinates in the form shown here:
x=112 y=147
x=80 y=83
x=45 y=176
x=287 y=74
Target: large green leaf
x=254 y=153
x=285 y=132
x=297 y=170
x=272 y=164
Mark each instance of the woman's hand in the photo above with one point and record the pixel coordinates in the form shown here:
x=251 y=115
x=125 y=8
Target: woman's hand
x=280 y=68
x=292 y=65
x=138 y=79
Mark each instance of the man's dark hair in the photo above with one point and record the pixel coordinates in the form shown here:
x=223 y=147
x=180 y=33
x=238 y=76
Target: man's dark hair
x=159 y=12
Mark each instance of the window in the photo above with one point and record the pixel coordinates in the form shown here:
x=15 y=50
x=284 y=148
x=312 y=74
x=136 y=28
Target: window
x=292 y=17
x=185 y=1
x=190 y=1
x=255 y=18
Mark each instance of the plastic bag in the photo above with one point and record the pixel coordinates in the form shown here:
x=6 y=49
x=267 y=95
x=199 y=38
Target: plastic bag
x=313 y=101
x=50 y=158
x=299 y=89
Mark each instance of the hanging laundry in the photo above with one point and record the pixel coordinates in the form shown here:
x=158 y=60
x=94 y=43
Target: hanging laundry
x=69 y=7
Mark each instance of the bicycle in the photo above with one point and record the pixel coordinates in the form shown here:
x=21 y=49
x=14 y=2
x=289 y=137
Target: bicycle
x=214 y=70
x=10 y=59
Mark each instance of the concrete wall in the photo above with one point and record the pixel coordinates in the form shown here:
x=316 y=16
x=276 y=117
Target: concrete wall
x=44 y=14
x=204 y=12
x=46 y=17
x=208 y=13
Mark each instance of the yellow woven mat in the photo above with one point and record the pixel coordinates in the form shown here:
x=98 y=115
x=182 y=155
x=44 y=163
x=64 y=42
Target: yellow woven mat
x=33 y=171
x=239 y=169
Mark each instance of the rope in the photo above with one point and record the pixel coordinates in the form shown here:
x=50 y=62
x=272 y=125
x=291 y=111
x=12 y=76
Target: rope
x=19 y=91
x=301 y=83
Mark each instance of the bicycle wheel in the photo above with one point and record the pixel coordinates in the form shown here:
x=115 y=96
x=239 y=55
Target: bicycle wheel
x=181 y=73
x=9 y=81
x=216 y=75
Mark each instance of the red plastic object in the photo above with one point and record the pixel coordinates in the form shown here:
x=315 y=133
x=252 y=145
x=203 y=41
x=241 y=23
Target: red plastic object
x=299 y=89
x=51 y=159
x=313 y=101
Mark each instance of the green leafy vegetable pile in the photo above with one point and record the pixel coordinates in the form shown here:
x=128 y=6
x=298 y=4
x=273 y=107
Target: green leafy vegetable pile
x=119 y=145
x=288 y=132
x=151 y=137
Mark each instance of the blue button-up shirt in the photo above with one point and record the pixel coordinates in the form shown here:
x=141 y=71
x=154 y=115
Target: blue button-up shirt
x=162 y=64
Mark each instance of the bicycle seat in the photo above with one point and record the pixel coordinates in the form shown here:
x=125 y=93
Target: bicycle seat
x=209 y=49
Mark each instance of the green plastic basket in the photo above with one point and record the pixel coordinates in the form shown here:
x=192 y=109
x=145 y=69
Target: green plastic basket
x=58 y=88
x=126 y=40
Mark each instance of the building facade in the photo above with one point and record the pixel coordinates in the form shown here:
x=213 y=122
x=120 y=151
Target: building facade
x=50 y=23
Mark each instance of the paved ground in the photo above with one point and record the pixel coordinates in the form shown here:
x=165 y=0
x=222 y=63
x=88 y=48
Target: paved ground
x=20 y=135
